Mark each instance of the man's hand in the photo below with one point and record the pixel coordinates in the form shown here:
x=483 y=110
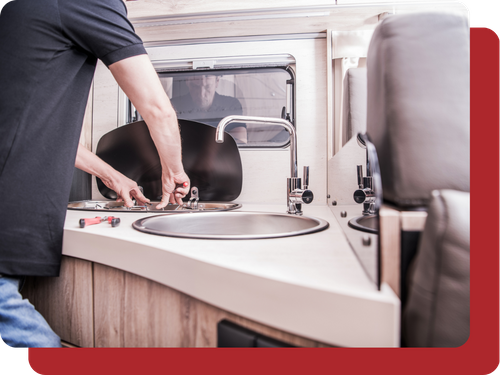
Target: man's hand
x=125 y=188
x=174 y=189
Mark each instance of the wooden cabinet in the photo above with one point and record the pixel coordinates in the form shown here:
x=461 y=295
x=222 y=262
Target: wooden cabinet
x=91 y=304
x=393 y=223
x=66 y=301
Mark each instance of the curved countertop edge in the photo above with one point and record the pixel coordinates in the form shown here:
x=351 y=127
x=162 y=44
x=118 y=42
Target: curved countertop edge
x=336 y=316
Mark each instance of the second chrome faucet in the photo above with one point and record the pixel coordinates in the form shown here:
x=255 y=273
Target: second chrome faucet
x=296 y=193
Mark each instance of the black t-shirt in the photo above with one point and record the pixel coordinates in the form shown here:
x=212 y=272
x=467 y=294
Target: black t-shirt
x=48 y=53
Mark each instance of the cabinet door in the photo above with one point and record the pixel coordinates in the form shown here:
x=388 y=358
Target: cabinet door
x=131 y=311
x=66 y=302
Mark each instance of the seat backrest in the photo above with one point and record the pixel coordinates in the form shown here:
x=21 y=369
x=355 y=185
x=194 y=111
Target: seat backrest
x=437 y=310
x=418 y=105
x=354 y=103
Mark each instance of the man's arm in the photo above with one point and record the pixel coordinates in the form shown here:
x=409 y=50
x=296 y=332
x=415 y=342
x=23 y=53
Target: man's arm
x=138 y=79
x=124 y=187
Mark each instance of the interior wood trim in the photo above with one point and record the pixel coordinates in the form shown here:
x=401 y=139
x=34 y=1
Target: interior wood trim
x=236 y=39
x=132 y=311
x=390 y=247
x=413 y=220
x=65 y=301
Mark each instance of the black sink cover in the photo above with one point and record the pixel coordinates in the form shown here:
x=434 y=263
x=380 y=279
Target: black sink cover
x=215 y=168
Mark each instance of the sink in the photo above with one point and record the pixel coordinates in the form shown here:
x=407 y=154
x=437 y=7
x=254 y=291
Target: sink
x=113 y=206
x=368 y=223
x=234 y=225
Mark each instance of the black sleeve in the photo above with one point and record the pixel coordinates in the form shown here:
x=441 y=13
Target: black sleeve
x=101 y=28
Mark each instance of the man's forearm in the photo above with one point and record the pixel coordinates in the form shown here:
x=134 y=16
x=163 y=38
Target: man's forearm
x=124 y=187
x=137 y=77
x=91 y=163
x=139 y=80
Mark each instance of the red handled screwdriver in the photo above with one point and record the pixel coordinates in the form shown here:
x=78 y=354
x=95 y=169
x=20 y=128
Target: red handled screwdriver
x=114 y=221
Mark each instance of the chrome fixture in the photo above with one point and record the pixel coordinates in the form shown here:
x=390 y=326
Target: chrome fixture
x=296 y=194
x=365 y=194
x=193 y=201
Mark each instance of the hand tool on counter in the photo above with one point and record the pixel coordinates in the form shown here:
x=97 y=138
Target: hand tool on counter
x=114 y=221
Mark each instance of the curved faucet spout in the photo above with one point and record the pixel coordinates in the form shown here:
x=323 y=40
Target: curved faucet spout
x=296 y=195
x=219 y=135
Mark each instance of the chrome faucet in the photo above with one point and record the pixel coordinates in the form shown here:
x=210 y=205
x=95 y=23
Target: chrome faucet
x=296 y=194
x=365 y=194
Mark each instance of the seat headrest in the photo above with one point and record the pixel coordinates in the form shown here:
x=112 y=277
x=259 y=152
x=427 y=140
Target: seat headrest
x=354 y=103
x=418 y=105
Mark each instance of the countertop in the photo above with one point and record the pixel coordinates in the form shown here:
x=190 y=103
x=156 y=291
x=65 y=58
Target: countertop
x=310 y=285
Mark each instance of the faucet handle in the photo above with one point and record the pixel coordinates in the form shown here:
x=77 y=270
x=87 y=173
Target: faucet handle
x=193 y=201
x=306 y=177
x=296 y=196
x=368 y=182
x=359 y=169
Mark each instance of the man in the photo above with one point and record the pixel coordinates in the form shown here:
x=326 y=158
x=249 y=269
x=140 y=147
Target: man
x=204 y=104
x=48 y=53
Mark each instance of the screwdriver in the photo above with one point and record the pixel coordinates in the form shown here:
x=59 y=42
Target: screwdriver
x=184 y=184
x=114 y=221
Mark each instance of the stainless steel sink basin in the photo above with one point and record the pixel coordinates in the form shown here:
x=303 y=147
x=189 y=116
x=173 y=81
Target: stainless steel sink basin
x=113 y=206
x=235 y=225
x=368 y=223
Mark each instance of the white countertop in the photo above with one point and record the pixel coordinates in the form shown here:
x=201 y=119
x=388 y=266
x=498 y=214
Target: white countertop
x=310 y=285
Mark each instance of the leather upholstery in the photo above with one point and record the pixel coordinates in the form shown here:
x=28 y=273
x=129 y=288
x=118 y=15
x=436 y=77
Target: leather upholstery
x=418 y=120
x=418 y=105
x=354 y=103
x=437 y=310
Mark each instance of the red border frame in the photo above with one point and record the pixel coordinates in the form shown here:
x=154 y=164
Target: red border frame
x=480 y=355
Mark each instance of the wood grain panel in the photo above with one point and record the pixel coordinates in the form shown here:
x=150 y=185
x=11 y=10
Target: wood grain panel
x=66 y=301
x=234 y=22
x=131 y=311
x=231 y=29
x=392 y=223
x=413 y=220
x=241 y=17
x=390 y=246
x=148 y=8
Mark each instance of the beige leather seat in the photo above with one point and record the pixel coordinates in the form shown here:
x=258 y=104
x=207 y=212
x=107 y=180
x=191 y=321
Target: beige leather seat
x=418 y=120
x=437 y=311
x=354 y=103
x=418 y=105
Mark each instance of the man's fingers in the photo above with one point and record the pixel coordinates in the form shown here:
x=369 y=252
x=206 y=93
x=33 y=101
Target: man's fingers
x=128 y=201
x=172 y=198
x=175 y=196
x=178 y=198
x=164 y=201
x=139 y=196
